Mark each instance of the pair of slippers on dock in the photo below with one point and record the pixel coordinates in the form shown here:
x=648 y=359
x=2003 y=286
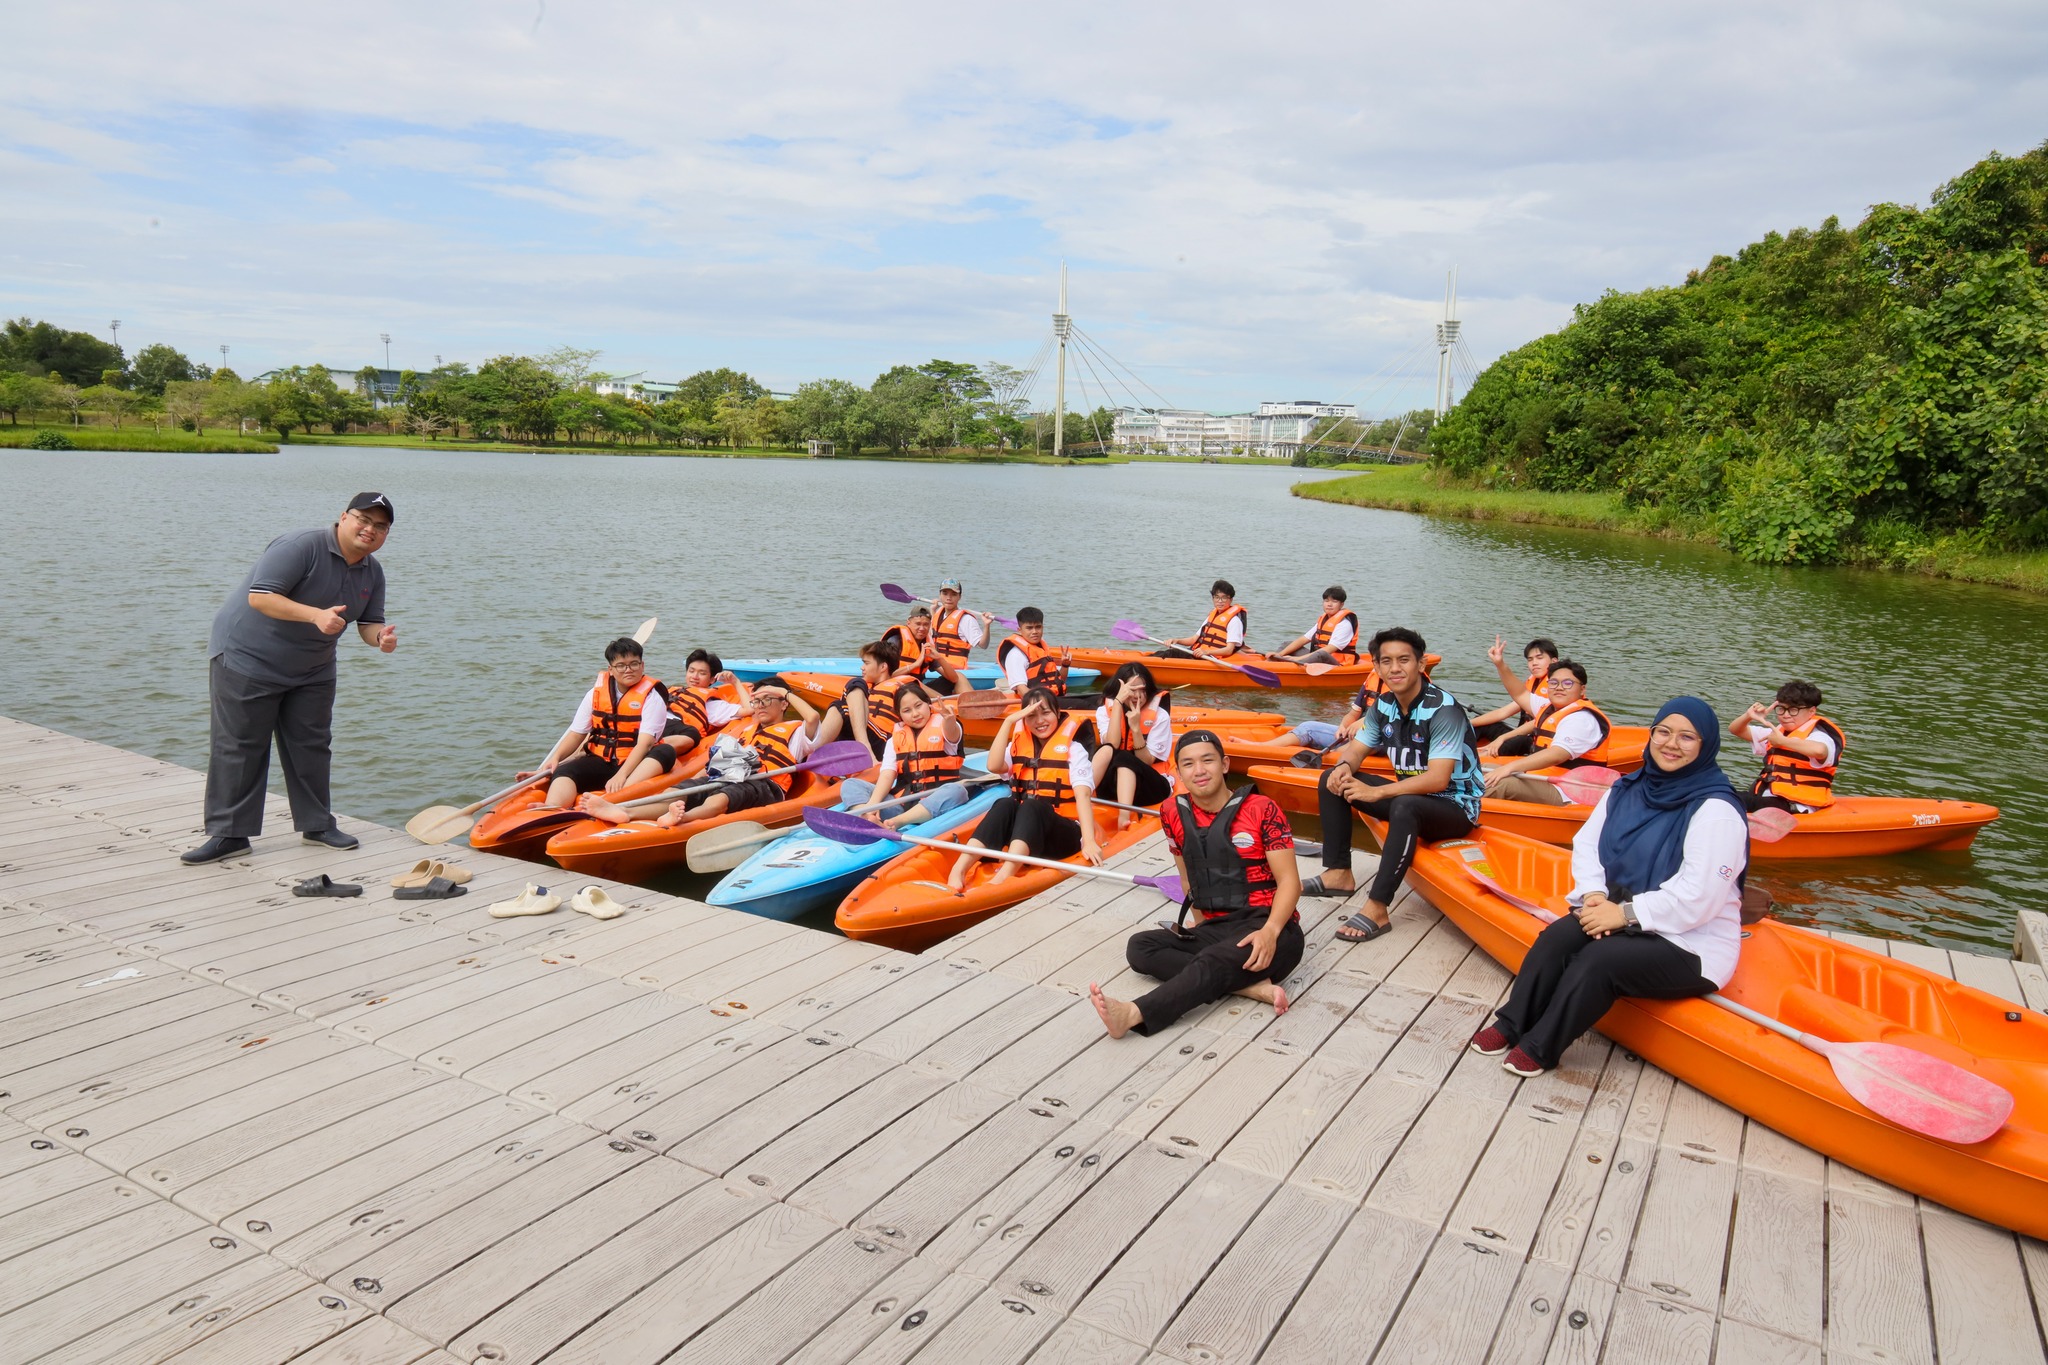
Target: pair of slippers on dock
x=592 y=900
x=431 y=880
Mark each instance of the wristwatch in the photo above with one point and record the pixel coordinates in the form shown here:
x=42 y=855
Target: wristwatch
x=1628 y=915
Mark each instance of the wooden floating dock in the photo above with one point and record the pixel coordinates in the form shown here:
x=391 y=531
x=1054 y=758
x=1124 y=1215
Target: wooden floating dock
x=242 y=1127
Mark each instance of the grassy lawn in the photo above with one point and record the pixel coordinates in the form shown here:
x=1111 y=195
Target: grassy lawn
x=140 y=438
x=1412 y=488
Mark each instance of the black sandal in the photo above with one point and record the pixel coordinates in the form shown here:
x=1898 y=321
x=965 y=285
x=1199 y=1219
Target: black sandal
x=1314 y=885
x=1366 y=930
x=439 y=889
x=324 y=885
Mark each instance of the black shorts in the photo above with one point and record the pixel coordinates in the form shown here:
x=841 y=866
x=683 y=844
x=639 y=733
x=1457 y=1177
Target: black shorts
x=751 y=794
x=587 y=771
x=682 y=728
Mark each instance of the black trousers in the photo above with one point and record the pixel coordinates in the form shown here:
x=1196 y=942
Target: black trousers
x=247 y=714
x=1569 y=979
x=1203 y=964
x=1038 y=822
x=1152 y=785
x=1761 y=801
x=1409 y=818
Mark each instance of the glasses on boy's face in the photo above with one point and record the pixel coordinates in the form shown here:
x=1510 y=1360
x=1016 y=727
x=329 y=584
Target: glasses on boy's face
x=382 y=528
x=1684 y=739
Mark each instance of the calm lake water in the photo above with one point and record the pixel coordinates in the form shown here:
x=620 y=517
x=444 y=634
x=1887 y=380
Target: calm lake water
x=509 y=572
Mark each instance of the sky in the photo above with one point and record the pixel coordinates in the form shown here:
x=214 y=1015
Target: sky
x=1253 y=202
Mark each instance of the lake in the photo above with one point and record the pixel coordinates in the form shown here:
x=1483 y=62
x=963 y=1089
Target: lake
x=508 y=573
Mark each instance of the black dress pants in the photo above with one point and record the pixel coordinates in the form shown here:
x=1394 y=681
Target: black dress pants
x=1409 y=818
x=1152 y=785
x=1205 y=963
x=247 y=714
x=1569 y=979
x=1046 y=833
x=1765 y=800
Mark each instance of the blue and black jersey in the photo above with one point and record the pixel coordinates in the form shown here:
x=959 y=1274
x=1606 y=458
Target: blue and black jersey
x=1434 y=727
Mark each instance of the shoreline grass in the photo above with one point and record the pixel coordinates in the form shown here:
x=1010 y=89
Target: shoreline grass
x=139 y=438
x=379 y=439
x=1411 y=488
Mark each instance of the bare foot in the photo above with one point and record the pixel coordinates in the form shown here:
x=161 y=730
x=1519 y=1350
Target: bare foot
x=1118 y=1016
x=1267 y=992
x=598 y=808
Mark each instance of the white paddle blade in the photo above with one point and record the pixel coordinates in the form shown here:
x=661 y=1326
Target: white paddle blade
x=439 y=824
x=1920 y=1092
x=646 y=631
x=726 y=847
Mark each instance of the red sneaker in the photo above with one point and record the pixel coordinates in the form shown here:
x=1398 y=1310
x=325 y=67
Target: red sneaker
x=1522 y=1064
x=1490 y=1042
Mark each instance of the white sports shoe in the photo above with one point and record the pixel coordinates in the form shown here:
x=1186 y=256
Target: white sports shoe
x=534 y=900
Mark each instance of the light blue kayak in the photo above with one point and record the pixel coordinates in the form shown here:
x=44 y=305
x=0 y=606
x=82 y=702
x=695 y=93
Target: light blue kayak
x=847 y=666
x=803 y=871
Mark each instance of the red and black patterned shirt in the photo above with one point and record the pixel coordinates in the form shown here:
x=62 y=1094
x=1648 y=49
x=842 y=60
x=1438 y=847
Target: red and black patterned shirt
x=1260 y=828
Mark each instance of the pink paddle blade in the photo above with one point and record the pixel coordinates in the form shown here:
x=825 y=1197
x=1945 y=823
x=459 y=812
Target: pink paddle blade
x=1510 y=897
x=1317 y=670
x=1130 y=630
x=1917 y=1091
x=1770 y=824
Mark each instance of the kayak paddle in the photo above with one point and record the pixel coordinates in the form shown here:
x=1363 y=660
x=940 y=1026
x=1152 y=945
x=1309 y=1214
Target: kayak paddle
x=843 y=758
x=896 y=594
x=726 y=847
x=1770 y=824
x=1912 y=1089
x=842 y=828
x=439 y=824
x=1131 y=630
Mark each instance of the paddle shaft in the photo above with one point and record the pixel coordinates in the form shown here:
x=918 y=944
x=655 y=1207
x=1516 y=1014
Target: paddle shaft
x=662 y=798
x=1257 y=675
x=498 y=796
x=1007 y=623
x=1085 y=869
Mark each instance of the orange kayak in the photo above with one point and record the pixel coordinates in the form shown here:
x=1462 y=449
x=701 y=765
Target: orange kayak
x=520 y=827
x=1816 y=984
x=1247 y=748
x=1854 y=827
x=1209 y=673
x=640 y=849
x=905 y=903
x=824 y=689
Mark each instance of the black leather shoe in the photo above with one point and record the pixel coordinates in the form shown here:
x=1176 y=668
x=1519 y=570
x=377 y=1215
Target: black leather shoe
x=333 y=838
x=213 y=850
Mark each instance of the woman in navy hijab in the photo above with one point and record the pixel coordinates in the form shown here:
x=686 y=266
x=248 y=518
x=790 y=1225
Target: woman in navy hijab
x=1656 y=898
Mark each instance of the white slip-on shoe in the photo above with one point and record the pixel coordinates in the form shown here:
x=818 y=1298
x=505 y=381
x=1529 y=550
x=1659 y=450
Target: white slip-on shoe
x=596 y=902
x=534 y=900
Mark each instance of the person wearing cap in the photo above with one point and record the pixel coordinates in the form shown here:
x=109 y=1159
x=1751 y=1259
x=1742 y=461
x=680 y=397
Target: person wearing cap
x=271 y=674
x=1236 y=857
x=956 y=633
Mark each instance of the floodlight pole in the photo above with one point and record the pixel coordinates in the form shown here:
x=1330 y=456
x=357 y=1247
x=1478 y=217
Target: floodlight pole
x=1062 y=325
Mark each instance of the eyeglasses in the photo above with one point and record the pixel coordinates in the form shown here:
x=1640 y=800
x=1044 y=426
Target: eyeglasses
x=382 y=528
x=1684 y=739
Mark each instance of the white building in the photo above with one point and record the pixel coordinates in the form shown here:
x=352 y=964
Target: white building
x=636 y=386
x=1276 y=430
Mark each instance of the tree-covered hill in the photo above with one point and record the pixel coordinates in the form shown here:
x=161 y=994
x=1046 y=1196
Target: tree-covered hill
x=1821 y=395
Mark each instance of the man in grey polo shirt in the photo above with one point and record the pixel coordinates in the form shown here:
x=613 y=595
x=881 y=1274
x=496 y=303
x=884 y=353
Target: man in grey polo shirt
x=271 y=672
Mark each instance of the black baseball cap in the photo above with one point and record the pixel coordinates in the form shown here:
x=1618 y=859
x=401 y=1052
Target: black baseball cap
x=363 y=502
x=1198 y=737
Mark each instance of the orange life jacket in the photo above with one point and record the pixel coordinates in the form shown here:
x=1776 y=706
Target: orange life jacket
x=1215 y=631
x=1798 y=778
x=1133 y=735
x=912 y=654
x=1326 y=626
x=1043 y=666
x=947 y=641
x=1547 y=721
x=1039 y=767
x=882 y=706
x=1369 y=691
x=691 y=705
x=615 y=725
x=772 y=743
x=921 y=758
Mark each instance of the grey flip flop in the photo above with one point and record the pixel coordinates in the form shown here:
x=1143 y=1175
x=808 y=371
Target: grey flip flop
x=439 y=889
x=1366 y=930
x=324 y=885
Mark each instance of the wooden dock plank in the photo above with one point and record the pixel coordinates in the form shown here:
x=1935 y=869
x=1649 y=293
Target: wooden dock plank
x=1977 y=1287
x=1161 y=1270
x=1877 y=1289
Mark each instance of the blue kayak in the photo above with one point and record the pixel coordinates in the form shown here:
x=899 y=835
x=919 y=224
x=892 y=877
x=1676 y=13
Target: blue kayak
x=847 y=666
x=803 y=871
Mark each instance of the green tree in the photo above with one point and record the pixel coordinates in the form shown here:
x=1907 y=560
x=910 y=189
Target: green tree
x=116 y=402
x=828 y=410
x=699 y=394
x=185 y=403
x=514 y=395
x=39 y=348
x=157 y=365
x=22 y=392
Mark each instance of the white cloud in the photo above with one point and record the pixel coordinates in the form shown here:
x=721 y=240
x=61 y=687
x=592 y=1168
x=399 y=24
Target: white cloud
x=1254 y=200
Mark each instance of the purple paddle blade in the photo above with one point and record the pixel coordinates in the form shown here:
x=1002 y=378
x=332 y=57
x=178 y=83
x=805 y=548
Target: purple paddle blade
x=1258 y=675
x=1129 y=630
x=1168 y=886
x=896 y=594
x=1006 y=622
x=842 y=828
x=842 y=758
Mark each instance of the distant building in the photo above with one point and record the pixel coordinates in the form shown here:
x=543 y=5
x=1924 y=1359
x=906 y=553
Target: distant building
x=382 y=392
x=636 y=386
x=1276 y=430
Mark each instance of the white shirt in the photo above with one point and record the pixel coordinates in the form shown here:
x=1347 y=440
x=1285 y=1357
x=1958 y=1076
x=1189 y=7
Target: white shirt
x=1340 y=636
x=1700 y=907
x=720 y=711
x=1576 y=733
x=1015 y=663
x=970 y=627
x=653 y=717
x=1233 y=634
x=1158 y=739
x=1080 y=764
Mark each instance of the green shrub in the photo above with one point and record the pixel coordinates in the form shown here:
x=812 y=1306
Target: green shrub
x=52 y=440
